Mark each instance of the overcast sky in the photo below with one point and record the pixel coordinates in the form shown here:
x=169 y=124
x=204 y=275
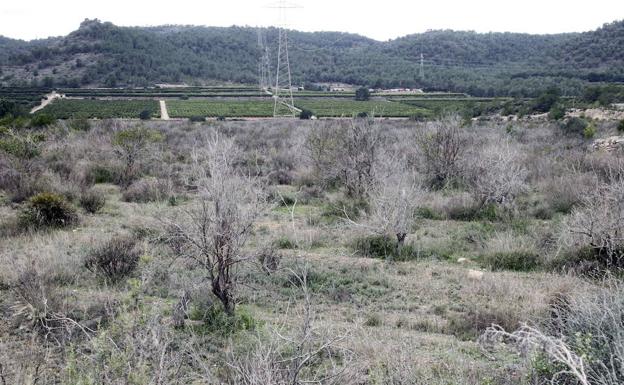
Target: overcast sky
x=381 y=20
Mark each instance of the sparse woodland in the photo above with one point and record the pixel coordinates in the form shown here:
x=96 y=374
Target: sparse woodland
x=378 y=252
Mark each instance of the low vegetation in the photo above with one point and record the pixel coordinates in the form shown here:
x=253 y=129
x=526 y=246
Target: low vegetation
x=101 y=109
x=350 y=251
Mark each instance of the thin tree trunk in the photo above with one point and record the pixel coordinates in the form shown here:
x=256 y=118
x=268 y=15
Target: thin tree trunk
x=400 y=242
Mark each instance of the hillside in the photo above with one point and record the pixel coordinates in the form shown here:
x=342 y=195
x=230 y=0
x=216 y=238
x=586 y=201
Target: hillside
x=102 y=54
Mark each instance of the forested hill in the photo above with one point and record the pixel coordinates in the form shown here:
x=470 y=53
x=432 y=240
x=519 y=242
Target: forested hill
x=102 y=54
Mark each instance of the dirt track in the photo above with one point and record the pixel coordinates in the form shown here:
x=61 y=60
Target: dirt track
x=49 y=98
x=164 y=114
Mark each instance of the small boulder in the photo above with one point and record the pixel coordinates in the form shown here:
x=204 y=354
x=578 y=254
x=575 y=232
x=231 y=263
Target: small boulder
x=475 y=275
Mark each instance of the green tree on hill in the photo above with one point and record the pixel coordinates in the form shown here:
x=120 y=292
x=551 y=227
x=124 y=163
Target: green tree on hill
x=362 y=94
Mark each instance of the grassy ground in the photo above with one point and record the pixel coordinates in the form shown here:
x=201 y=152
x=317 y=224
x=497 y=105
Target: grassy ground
x=415 y=321
x=419 y=315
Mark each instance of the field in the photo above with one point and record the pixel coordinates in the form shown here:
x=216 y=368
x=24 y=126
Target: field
x=216 y=108
x=349 y=108
x=248 y=101
x=445 y=105
x=100 y=109
x=181 y=92
x=27 y=97
x=346 y=242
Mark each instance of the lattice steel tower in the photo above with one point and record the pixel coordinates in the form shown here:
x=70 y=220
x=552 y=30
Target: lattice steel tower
x=264 y=67
x=284 y=105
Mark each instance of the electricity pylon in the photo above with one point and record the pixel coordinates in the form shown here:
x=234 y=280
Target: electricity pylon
x=264 y=70
x=284 y=105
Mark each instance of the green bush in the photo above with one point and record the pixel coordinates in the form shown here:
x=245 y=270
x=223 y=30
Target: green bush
x=92 y=201
x=575 y=125
x=24 y=147
x=145 y=115
x=42 y=120
x=284 y=243
x=353 y=209
x=284 y=200
x=428 y=213
x=197 y=119
x=620 y=126
x=374 y=320
x=516 y=260
x=557 y=112
x=362 y=94
x=545 y=101
x=589 y=260
x=216 y=321
x=472 y=212
x=590 y=131
x=103 y=174
x=48 y=210
x=80 y=124
x=115 y=259
x=306 y=114
x=382 y=246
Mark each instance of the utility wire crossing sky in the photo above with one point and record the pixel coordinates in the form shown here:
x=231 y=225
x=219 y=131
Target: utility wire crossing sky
x=381 y=20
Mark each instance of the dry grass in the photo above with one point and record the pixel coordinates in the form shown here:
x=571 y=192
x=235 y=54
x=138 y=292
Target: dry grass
x=413 y=322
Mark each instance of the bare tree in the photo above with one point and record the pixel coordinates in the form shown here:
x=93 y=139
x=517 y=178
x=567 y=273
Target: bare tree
x=393 y=199
x=322 y=146
x=213 y=230
x=441 y=146
x=496 y=174
x=348 y=153
x=131 y=145
x=361 y=149
x=599 y=224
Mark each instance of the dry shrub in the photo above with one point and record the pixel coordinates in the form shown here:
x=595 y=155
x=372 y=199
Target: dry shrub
x=49 y=253
x=509 y=251
x=496 y=174
x=500 y=299
x=593 y=234
x=115 y=259
x=608 y=166
x=42 y=308
x=394 y=196
x=36 y=300
x=147 y=190
x=305 y=354
x=133 y=146
x=92 y=200
x=441 y=148
x=565 y=192
x=137 y=348
x=346 y=154
x=21 y=179
x=582 y=342
x=269 y=260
